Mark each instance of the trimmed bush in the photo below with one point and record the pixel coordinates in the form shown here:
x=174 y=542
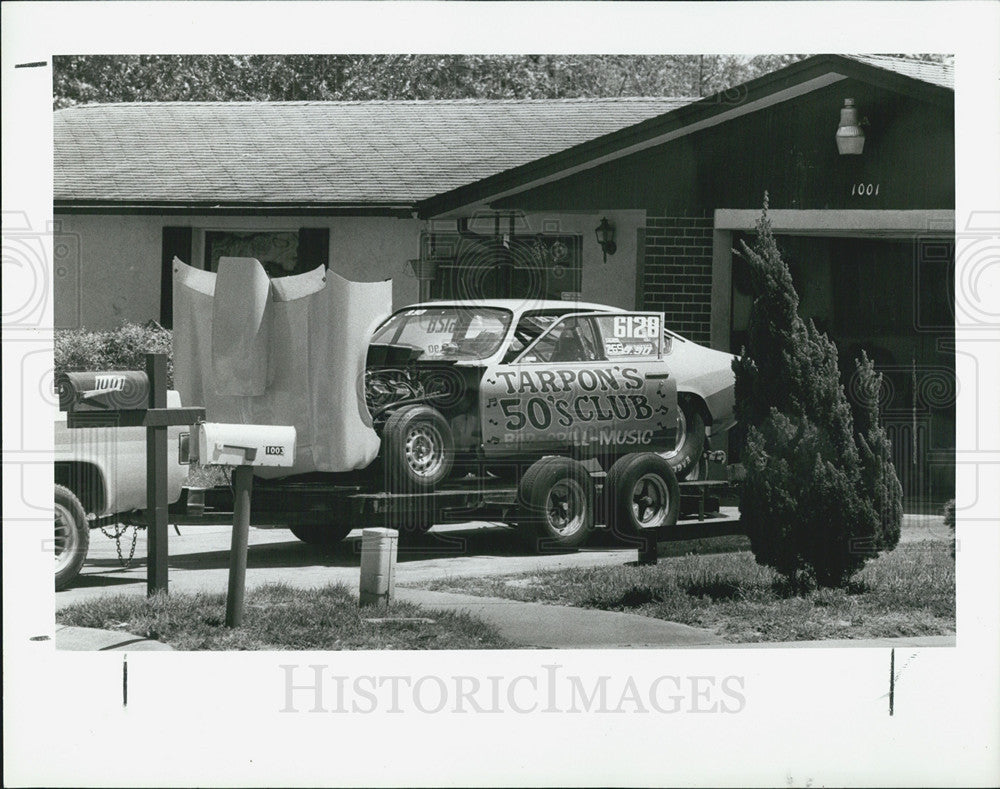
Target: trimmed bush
x=820 y=496
x=123 y=348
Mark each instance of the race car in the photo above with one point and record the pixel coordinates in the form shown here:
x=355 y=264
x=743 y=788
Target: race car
x=461 y=386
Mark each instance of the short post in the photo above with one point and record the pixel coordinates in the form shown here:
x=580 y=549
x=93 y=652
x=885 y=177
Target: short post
x=156 y=479
x=378 y=566
x=647 y=550
x=242 y=484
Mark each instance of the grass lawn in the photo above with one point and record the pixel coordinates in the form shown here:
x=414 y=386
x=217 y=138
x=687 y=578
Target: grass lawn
x=907 y=592
x=277 y=616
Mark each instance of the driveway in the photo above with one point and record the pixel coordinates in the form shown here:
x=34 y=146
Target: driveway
x=199 y=556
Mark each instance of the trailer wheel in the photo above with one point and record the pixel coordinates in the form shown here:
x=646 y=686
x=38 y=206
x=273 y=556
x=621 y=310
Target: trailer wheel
x=686 y=456
x=418 y=450
x=72 y=536
x=321 y=533
x=640 y=495
x=555 y=504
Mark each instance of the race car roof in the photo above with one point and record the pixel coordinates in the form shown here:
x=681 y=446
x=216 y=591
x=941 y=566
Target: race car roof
x=518 y=305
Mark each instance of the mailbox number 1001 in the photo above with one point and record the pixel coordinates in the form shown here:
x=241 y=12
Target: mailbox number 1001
x=864 y=190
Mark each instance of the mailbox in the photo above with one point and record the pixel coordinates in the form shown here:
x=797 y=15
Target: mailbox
x=242 y=446
x=103 y=391
x=220 y=444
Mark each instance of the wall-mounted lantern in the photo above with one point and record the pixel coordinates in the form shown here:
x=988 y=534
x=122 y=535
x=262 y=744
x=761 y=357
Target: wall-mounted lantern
x=606 y=238
x=850 y=135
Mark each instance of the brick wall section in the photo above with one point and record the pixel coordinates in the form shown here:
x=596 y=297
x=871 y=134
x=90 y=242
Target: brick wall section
x=677 y=272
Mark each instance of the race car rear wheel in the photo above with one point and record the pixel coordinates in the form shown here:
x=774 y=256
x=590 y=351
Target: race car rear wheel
x=686 y=455
x=640 y=495
x=72 y=536
x=555 y=504
x=418 y=449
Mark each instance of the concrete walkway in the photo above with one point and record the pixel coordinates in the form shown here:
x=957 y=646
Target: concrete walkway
x=564 y=627
x=537 y=625
x=90 y=639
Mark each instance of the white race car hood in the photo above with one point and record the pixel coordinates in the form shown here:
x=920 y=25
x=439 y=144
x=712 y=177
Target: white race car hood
x=289 y=351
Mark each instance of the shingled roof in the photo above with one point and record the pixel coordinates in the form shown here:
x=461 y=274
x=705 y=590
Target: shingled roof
x=941 y=74
x=388 y=154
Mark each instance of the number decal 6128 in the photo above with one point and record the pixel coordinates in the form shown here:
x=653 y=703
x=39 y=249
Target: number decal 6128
x=637 y=327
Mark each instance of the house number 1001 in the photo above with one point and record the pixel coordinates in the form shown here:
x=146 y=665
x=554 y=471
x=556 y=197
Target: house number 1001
x=864 y=190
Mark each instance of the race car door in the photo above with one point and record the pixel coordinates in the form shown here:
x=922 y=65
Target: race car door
x=591 y=381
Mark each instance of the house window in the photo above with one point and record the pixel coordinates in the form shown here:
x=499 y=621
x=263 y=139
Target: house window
x=280 y=252
x=472 y=266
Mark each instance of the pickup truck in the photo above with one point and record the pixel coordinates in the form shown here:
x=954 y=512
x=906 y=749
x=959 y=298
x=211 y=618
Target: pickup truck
x=100 y=478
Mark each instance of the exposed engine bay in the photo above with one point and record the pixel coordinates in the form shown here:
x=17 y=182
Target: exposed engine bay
x=396 y=376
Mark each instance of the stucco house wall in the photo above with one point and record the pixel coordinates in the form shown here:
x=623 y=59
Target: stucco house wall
x=613 y=282
x=116 y=274
x=113 y=260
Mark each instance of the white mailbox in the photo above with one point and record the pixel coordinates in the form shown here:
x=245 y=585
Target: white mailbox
x=220 y=444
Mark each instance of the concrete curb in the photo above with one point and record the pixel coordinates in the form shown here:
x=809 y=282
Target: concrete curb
x=564 y=627
x=91 y=639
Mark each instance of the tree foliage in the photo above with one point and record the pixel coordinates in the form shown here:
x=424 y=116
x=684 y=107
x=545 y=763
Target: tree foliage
x=103 y=78
x=85 y=79
x=820 y=495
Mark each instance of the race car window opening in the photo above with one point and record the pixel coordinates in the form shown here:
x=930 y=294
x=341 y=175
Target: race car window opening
x=447 y=332
x=530 y=327
x=570 y=339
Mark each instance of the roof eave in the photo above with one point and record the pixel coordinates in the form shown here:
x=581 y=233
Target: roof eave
x=675 y=120
x=233 y=208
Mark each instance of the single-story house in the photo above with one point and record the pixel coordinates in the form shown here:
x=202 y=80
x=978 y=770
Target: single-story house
x=498 y=198
x=295 y=184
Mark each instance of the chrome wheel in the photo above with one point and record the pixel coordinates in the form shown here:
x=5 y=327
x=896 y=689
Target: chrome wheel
x=650 y=501
x=681 y=436
x=566 y=507
x=66 y=540
x=424 y=450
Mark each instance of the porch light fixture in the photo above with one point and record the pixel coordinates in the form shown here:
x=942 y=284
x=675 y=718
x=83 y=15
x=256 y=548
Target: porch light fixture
x=606 y=238
x=850 y=135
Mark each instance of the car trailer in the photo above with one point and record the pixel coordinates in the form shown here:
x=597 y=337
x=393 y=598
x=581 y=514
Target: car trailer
x=322 y=512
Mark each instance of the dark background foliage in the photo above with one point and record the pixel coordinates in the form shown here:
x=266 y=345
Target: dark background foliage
x=85 y=79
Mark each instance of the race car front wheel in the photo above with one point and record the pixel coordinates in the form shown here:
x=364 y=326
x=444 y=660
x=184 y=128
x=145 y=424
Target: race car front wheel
x=72 y=536
x=555 y=504
x=685 y=457
x=418 y=449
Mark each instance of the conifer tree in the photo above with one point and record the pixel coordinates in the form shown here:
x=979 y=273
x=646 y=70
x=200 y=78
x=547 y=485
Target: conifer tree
x=820 y=495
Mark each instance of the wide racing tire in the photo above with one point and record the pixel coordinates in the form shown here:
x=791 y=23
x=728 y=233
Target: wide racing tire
x=685 y=457
x=418 y=449
x=555 y=505
x=641 y=496
x=72 y=536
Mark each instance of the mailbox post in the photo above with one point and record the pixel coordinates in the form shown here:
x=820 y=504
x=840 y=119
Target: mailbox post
x=156 y=479
x=242 y=446
x=242 y=488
